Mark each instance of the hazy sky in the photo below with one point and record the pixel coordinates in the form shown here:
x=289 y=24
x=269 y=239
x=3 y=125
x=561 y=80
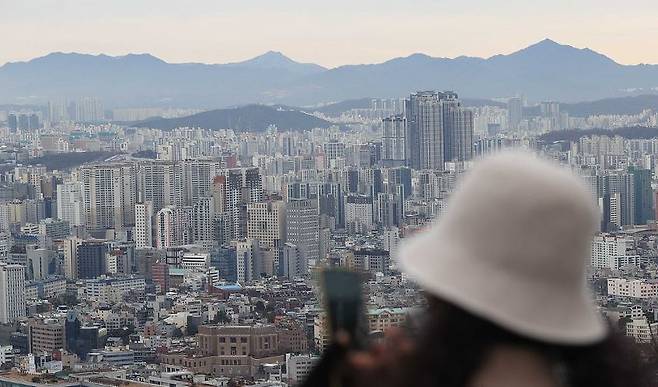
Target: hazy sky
x=328 y=32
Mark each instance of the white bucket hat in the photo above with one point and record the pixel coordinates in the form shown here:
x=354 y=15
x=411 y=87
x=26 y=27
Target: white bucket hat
x=512 y=249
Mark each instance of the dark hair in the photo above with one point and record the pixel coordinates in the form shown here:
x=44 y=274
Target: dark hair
x=453 y=345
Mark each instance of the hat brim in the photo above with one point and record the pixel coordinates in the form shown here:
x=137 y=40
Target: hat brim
x=531 y=308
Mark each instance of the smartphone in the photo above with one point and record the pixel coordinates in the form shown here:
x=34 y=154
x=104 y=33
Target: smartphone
x=343 y=299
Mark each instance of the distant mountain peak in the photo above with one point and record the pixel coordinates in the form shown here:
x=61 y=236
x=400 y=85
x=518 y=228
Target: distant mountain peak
x=277 y=60
x=269 y=59
x=546 y=48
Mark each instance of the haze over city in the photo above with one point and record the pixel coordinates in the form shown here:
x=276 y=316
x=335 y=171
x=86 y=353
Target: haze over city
x=309 y=194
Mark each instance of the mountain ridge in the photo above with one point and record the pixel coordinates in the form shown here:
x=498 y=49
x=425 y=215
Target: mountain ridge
x=546 y=70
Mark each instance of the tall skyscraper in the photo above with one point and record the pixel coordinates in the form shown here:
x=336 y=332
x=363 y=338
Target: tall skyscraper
x=643 y=195
x=236 y=188
x=163 y=184
x=425 y=131
x=439 y=129
x=394 y=131
x=71 y=257
x=110 y=194
x=144 y=224
x=248 y=255
x=12 y=292
x=303 y=227
x=514 y=112
x=203 y=214
x=165 y=228
x=12 y=122
x=266 y=222
x=457 y=129
x=70 y=203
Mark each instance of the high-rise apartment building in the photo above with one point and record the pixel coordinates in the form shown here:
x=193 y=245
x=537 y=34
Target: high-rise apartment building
x=236 y=188
x=110 y=194
x=514 y=112
x=439 y=129
x=394 y=132
x=163 y=184
x=12 y=292
x=70 y=203
x=203 y=214
x=143 y=225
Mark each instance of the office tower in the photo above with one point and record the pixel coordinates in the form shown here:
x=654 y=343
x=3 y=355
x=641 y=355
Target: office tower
x=353 y=180
x=299 y=190
x=619 y=191
x=224 y=259
x=12 y=292
x=389 y=210
x=218 y=194
x=394 y=132
x=303 y=227
x=266 y=222
x=91 y=259
x=38 y=262
x=203 y=214
x=239 y=187
x=12 y=122
x=220 y=229
x=425 y=137
x=643 y=195
x=70 y=203
x=247 y=262
x=54 y=229
x=358 y=213
x=23 y=122
x=399 y=176
x=110 y=194
x=33 y=121
x=288 y=145
x=144 y=224
x=71 y=257
x=514 y=112
x=293 y=263
x=332 y=204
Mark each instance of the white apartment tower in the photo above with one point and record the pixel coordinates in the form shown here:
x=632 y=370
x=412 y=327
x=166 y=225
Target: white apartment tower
x=144 y=225
x=70 y=203
x=12 y=292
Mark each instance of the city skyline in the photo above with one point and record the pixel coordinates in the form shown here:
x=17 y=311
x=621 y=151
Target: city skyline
x=334 y=34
